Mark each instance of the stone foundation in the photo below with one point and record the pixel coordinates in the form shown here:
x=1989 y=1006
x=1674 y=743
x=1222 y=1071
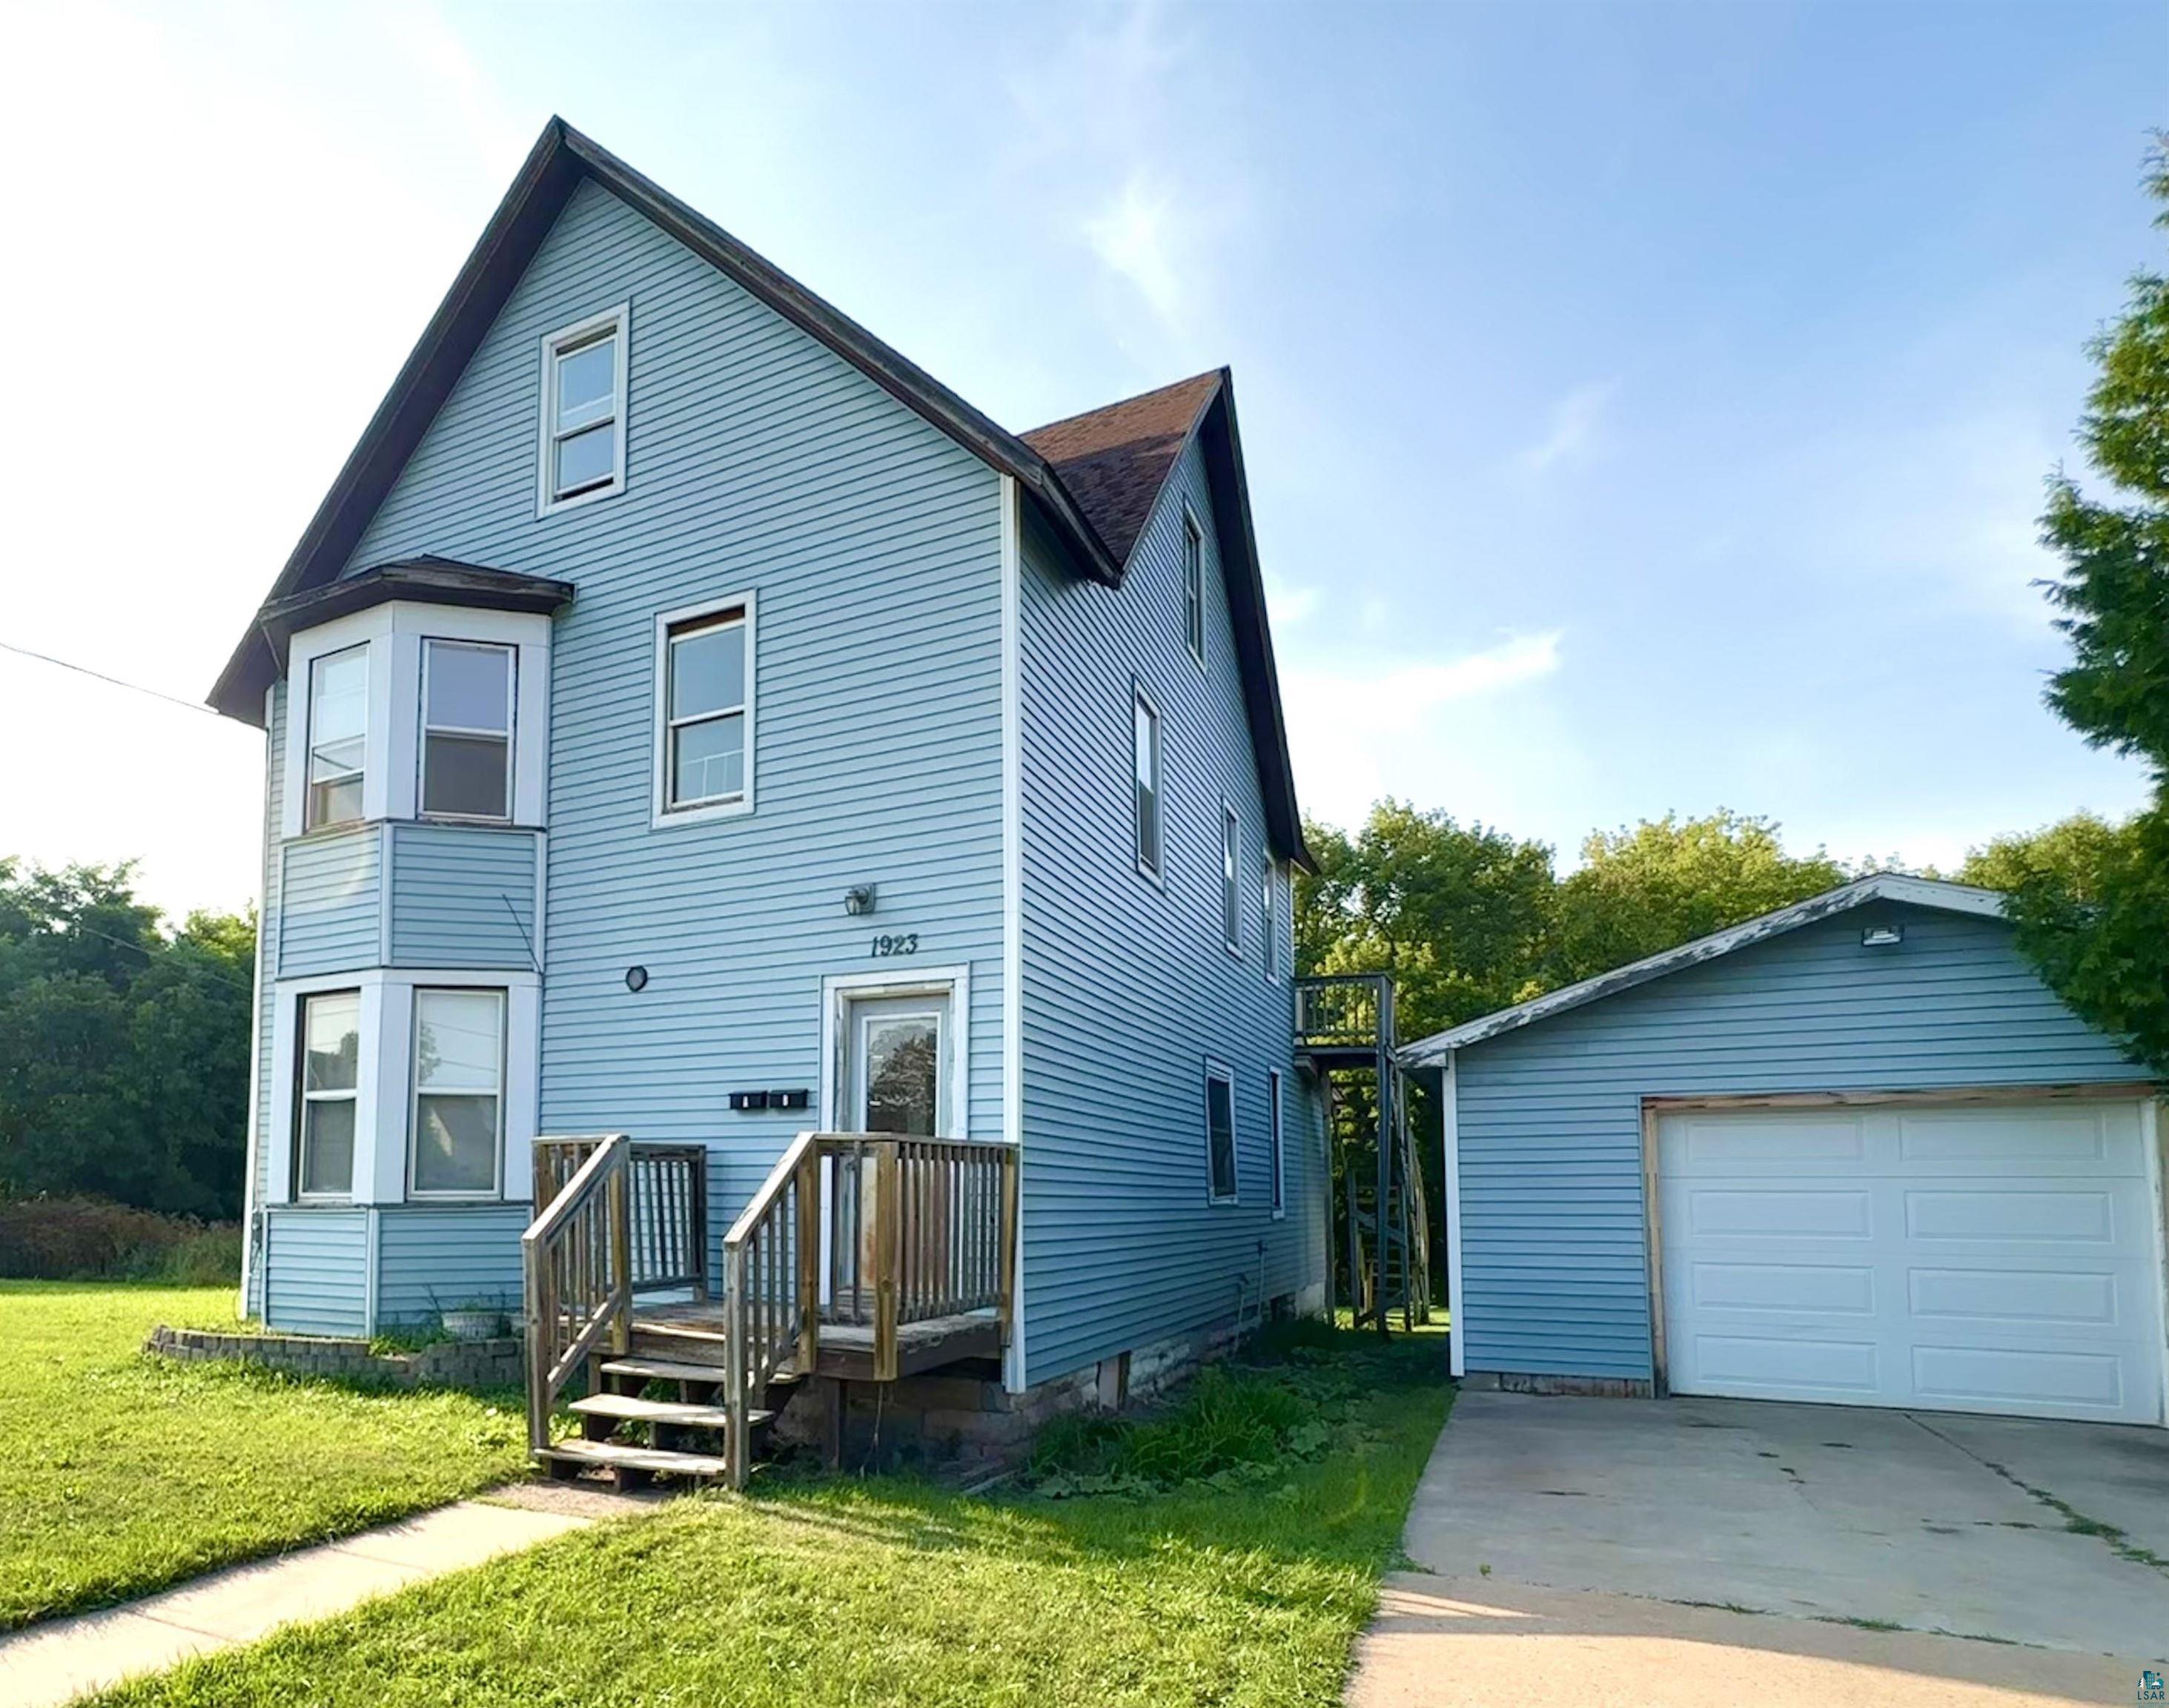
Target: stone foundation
x=1593 y=1387
x=501 y=1362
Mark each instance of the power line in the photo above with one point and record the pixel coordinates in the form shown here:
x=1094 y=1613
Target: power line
x=123 y=943
x=100 y=676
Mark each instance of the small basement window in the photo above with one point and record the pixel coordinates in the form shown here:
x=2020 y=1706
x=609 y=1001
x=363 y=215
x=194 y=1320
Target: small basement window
x=467 y=731
x=458 y=1081
x=339 y=737
x=584 y=412
x=704 y=755
x=1219 y=1133
x=329 y=1081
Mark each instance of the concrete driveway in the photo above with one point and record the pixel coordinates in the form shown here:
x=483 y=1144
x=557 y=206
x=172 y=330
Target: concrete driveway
x=1715 y=1551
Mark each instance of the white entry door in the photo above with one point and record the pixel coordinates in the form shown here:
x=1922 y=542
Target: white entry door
x=898 y=1064
x=1967 y=1258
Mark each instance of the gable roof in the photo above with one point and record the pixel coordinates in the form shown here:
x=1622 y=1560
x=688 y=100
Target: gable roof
x=1115 y=460
x=563 y=159
x=1882 y=886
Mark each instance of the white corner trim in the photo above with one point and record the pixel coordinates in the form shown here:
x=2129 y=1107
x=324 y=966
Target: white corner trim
x=661 y=815
x=545 y=409
x=1456 y=1304
x=1012 y=600
x=954 y=982
x=1882 y=886
x=272 y=871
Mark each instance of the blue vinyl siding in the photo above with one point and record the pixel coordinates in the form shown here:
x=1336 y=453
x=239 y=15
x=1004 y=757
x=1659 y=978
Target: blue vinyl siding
x=757 y=461
x=433 y=1259
x=329 y=902
x=317 y=1283
x=462 y=897
x=1554 y=1273
x=1128 y=986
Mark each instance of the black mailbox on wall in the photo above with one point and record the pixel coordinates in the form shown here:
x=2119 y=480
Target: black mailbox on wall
x=787 y=1100
x=749 y=1100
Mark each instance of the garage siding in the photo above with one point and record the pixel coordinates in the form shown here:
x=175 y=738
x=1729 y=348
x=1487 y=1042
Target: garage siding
x=1555 y=1275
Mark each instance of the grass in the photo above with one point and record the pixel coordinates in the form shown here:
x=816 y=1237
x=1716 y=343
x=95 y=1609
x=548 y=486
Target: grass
x=1208 y=1574
x=121 y=1473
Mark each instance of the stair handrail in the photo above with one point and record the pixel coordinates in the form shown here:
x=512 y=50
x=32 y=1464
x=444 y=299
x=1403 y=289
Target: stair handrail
x=771 y=1289
x=576 y=1266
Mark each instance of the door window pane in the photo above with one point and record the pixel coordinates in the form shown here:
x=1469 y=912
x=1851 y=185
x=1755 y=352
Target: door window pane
x=903 y=1068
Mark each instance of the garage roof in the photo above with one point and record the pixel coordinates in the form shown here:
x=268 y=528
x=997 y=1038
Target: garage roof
x=1883 y=886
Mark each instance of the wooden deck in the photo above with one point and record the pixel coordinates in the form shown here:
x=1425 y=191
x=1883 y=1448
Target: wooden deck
x=693 y=1333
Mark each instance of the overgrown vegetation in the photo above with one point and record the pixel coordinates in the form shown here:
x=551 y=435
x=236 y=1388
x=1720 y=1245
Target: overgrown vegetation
x=121 y=1473
x=80 y=1239
x=124 y=1048
x=893 y=1591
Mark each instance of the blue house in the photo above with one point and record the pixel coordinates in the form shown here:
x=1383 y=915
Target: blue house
x=1853 y=1151
x=767 y=873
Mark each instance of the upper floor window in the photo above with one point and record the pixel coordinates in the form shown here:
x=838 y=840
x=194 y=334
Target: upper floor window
x=1269 y=916
x=584 y=411
x=1219 y=1133
x=330 y=1079
x=339 y=737
x=1193 y=586
x=704 y=755
x=466 y=729
x=1145 y=769
x=1231 y=906
x=1279 y=1145
x=459 y=1085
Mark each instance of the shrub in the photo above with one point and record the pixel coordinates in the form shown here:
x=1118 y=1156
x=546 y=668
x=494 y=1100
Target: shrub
x=89 y=1238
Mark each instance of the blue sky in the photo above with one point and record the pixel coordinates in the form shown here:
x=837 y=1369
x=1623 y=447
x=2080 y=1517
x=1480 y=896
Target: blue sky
x=1646 y=408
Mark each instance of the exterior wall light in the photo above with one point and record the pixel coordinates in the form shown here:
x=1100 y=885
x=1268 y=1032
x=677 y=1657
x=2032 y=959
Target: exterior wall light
x=1882 y=937
x=859 y=899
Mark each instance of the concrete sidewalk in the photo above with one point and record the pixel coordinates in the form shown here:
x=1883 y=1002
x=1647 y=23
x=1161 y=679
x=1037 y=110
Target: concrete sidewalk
x=52 y=1663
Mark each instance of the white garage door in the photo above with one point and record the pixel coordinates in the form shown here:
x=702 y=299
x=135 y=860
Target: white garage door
x=1977 y=1258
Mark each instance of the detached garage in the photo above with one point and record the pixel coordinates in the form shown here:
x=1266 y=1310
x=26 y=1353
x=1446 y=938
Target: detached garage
x=1853 y=1151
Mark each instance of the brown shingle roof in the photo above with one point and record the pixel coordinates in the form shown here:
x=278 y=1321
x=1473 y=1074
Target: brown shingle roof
x=1114 y=461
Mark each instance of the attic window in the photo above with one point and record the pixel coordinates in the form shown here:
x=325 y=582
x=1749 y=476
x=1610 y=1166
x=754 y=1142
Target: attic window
x=583 y=455
x=1193 y=586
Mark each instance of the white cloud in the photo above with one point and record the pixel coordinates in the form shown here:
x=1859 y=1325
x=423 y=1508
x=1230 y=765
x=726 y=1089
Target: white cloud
x=1357 y=734
x=1131 y=236
x=1287 y=605
x=1572 y=428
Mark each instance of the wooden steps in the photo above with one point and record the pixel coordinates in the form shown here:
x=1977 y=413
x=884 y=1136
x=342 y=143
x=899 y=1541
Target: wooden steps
x=577 y=1454
x=632 y=1409
x=663 y=1370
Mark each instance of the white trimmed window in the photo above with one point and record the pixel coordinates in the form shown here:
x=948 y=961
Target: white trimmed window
x=584 y=411
x=1279 y=1153
x=1193 y=586
x=1144 y=768
x=1219 y=1133
x=1231 y=892
x=467 y=690
x=1269 y=916
x=330 y=1079
x=459 y=1094
x=339 y=737
x=704 y=735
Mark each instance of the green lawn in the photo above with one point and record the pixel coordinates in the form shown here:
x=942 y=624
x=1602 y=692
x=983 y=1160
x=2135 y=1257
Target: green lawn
x=121 y=1472
x=1249 y=1590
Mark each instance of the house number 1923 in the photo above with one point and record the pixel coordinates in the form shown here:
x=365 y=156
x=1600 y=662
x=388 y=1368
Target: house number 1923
x=899 y=944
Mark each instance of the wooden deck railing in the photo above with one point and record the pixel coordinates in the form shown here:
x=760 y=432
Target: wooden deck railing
x=613 y=1220
x=861 y=1229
